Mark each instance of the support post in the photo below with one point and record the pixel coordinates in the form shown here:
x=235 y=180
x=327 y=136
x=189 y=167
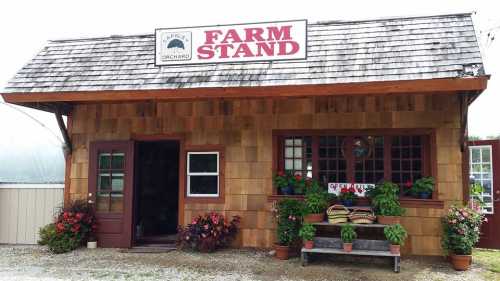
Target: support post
x=68 y=147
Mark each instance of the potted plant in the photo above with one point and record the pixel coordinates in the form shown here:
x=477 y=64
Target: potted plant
x=461 y=229
x=396 y=234
x=282 y=182
x=316 y=202
x=423 y=187
x=347 y=234
x=386 y=203
x=307 y=232
x=289 y=214
x=92 y=241
x=348 y=196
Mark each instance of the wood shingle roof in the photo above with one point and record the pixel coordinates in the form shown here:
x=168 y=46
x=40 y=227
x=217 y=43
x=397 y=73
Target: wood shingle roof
x=393 y=49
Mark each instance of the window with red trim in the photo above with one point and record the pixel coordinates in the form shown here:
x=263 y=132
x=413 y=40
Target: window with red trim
x=355 y=158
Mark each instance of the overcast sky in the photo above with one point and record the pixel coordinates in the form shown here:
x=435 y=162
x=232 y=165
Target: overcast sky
x=25 y=26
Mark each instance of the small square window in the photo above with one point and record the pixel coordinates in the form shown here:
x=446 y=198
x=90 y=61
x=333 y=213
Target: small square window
x=203 y=174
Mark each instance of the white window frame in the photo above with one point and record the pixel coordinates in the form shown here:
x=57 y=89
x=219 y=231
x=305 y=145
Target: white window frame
x=492 y=195
x=189 y=174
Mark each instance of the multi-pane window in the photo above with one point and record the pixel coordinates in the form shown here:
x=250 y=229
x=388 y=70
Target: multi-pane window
x=406 y=158
x=369 y=164
x=110 y=180
x=481 y=173
x=332 y=163
x=297 y=154
x=354 y=158
x=203 y=174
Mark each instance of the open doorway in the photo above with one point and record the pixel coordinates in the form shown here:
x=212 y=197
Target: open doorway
x=156 y=192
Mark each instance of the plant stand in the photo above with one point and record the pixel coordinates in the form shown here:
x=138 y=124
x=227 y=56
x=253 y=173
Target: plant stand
x=361 y=247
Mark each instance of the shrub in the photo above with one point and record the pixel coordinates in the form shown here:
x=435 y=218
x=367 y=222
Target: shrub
x=386 y=200
x=461 y=229
x=396 y=234
x=307 y=232
x=348 y=233
x=63 y=243
x=289 y=220
x=71 y=228
x=46 y=233
x=208 y=233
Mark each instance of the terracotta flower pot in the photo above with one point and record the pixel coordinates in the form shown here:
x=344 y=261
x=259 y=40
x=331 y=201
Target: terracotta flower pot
x=282 y=252
x=312 y=218
x=308 y=244
x=395 y=249
x=461 y=262
x=347 y=247
x=388 y=219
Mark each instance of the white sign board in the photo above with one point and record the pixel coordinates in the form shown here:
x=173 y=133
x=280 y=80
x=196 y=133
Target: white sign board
x=271 y=41
x=360 y=188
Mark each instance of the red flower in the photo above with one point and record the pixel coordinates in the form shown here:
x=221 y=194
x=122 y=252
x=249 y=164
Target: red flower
x=65 y=215
x=351 y=189
x=60 y=227
x=79 y=216
x=408 y=184
x=343 y=190
x=298 y=177
x=281 y=173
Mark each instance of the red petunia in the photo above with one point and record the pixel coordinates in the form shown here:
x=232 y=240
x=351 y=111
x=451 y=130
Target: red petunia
x=298 y=177
x=344 y=190
x=281 y=173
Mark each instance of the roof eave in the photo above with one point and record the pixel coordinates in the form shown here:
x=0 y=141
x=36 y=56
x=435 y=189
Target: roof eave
x=442 y=85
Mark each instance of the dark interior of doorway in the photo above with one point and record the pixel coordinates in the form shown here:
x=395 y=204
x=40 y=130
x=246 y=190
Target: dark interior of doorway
x=156 y=192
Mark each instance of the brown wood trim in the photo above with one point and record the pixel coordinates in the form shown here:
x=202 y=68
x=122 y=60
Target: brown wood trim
x=406 y=202
x=182 y=164
x=431 y=86
x=355 y=132
x=67 y=171
x=421 y=203
x=222 y=174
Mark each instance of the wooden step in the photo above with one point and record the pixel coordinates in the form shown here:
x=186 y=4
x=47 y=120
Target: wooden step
x=354 y=252
x=364 y=225
x=358 y=244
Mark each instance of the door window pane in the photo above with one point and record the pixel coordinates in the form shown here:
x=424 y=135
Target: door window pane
x=481 y=173
x=110 y=181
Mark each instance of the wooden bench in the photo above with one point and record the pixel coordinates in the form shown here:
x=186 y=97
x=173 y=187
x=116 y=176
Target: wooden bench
x=361 y=247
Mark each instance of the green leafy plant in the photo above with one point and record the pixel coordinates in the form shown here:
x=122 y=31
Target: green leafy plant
x=281 y=179
x=289 y=215
x=307 y=231
x=316 y=198
x=386 y=200
x=423 y=185
x=396 y=234
x=71 y=228
x=348 y=233
x=46 y=233
x=63 y=243
x=461 y=229
x=476 y=201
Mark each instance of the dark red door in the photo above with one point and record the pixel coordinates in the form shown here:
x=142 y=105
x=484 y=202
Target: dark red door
x=111 y=167
x=484 y=161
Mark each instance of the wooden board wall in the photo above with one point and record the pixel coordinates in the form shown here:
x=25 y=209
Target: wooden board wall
x=245 y=127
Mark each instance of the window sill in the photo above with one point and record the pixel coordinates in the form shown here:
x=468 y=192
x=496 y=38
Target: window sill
x=204 y=200
x=406 y=202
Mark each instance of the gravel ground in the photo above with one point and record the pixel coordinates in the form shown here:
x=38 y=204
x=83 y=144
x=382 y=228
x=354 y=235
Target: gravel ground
x=36 y=263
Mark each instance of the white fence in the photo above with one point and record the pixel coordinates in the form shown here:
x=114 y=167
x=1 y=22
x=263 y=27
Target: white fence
x=24 y=208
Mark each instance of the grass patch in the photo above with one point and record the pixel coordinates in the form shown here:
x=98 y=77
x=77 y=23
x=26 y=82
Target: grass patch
x=490 y=260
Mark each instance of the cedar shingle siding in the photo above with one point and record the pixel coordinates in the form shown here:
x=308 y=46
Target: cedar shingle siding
x=338 y=52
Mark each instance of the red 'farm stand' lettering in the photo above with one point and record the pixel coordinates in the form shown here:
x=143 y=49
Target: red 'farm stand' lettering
x=250 y=42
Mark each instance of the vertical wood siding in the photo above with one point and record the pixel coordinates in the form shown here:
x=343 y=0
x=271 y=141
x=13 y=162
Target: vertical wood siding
x=24 y=210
